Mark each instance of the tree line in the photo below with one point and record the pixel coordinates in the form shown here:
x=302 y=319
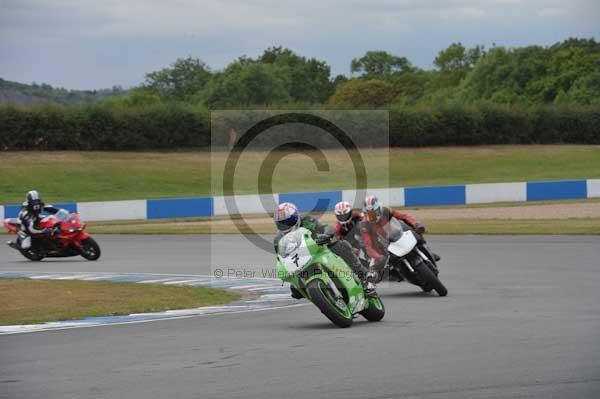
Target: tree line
x=564 y=73
x=472 y=96
x=34 y=94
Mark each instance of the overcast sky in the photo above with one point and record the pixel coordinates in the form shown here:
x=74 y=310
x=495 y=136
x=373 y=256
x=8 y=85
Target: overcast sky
x=94 y=44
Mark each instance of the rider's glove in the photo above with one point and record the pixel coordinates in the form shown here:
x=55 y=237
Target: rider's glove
x=322 y=239
x=47 y=231
x=420 y=228
x=377 y=260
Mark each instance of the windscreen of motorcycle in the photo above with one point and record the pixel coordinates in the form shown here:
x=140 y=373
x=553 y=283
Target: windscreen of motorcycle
x=395 y=230
x=292 y=250
x=63 y=215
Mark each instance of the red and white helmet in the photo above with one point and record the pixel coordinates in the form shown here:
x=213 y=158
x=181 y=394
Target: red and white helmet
x=287 y=217
x=372 y=208
x=343 y=212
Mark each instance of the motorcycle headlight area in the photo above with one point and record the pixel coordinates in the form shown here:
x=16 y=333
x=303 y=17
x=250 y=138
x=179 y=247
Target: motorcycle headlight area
x=289 y=243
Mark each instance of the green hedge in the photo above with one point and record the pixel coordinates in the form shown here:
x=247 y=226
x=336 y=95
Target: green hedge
x=103 y=127
x=170 y=126
x=492 y=124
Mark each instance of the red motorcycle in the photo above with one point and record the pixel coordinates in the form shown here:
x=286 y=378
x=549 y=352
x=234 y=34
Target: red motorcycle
x=67 y=238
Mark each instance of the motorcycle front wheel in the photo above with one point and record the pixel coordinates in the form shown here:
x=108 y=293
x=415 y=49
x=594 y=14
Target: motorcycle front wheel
x=90 y=249
x=431 y=280
x=322 y=296
x=375 y=311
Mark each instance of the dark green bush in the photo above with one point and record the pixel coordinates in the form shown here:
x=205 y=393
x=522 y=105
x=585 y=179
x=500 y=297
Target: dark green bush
x=176 y=125
x=102 y=127
x=493 y=124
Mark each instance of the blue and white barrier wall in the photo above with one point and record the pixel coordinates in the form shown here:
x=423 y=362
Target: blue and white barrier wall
x=325 y=200
x=113 y=210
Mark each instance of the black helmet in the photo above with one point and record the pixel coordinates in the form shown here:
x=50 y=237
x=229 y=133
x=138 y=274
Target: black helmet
x=34 y=202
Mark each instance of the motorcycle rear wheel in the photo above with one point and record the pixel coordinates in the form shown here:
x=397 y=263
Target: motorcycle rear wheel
x=31 y=254
x=319 y=295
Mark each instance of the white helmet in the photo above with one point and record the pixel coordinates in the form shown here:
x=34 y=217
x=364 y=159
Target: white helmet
x=343 y=212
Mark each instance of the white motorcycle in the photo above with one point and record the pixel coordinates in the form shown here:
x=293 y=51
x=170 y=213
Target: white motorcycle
x=407 y=260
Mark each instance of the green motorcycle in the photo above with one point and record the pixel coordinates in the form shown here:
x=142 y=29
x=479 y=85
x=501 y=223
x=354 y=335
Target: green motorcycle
x=325 y=279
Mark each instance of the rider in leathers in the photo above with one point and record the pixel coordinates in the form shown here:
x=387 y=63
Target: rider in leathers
x=347 y=226
x=287 y=218
x=373 y=228
x=29 y=216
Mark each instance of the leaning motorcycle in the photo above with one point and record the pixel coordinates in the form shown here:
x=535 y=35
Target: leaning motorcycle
x=325 y=279
x=68 y=238
x=410 y=261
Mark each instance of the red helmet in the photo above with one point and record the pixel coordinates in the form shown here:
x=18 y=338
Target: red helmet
x=343 y=212
x=372 y=209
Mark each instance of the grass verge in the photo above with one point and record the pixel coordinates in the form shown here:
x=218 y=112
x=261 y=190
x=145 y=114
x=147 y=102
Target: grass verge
x=103 y=176
x=589 y=226
x=26 y=301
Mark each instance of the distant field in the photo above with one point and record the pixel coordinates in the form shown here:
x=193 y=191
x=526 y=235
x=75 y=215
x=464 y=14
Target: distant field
x=89 y=176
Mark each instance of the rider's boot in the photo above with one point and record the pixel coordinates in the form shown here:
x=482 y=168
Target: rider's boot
x=12 y=244
x=296 y=294
x=369 y=283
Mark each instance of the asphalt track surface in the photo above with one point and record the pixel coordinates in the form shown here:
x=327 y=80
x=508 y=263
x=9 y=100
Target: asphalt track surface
x=522 y=320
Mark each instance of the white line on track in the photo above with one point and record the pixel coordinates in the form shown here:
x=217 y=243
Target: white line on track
x=151 y=320
x=112 y=273
x=275 y=296
x=157 y=281
x=266 y=287
x=102 y=277
x=265 y=302
x=46 y=276
x=76 y=277
x=252 y=287
x=183 y=282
